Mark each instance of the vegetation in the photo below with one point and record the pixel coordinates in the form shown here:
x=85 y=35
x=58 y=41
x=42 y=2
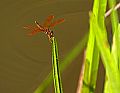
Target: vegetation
x=97 y=46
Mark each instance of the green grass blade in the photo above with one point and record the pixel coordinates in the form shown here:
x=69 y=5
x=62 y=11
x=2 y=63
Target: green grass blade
x=118 y=42
x=114 y=21
x=96 y=7
x=115 y=46
x=92 y=52
x=116 y=55
x=90 y=72
x=87 y=86
x=101 y=14
x=114 y=15
x=109 y=63
x=55 y=66
x=99 y=9
x=63 y=64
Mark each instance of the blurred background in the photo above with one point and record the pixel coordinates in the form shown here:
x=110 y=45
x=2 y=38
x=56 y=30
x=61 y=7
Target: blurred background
x=26 y=61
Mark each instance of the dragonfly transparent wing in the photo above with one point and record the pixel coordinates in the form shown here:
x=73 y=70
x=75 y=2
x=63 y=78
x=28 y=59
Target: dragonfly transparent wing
x=56 y=22
x=48 y=21
x=34 y=30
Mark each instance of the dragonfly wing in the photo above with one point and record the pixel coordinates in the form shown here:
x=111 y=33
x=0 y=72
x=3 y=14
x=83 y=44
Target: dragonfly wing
x=34 y=30
x=57 y=22
x=48 y=21
x=28 y=27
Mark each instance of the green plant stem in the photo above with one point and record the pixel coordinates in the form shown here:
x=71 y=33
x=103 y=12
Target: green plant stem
x=64 y=64
x=55 y=66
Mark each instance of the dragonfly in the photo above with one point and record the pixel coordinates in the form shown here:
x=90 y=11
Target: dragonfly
x=45 y=28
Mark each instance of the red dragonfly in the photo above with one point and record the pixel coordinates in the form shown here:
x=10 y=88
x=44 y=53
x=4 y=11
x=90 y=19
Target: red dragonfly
x=46 y=27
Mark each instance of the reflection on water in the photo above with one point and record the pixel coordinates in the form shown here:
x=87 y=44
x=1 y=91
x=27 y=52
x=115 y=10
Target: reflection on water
x=24 y=64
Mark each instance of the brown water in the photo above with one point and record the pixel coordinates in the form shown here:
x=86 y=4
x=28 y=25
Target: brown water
x=26 y=61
